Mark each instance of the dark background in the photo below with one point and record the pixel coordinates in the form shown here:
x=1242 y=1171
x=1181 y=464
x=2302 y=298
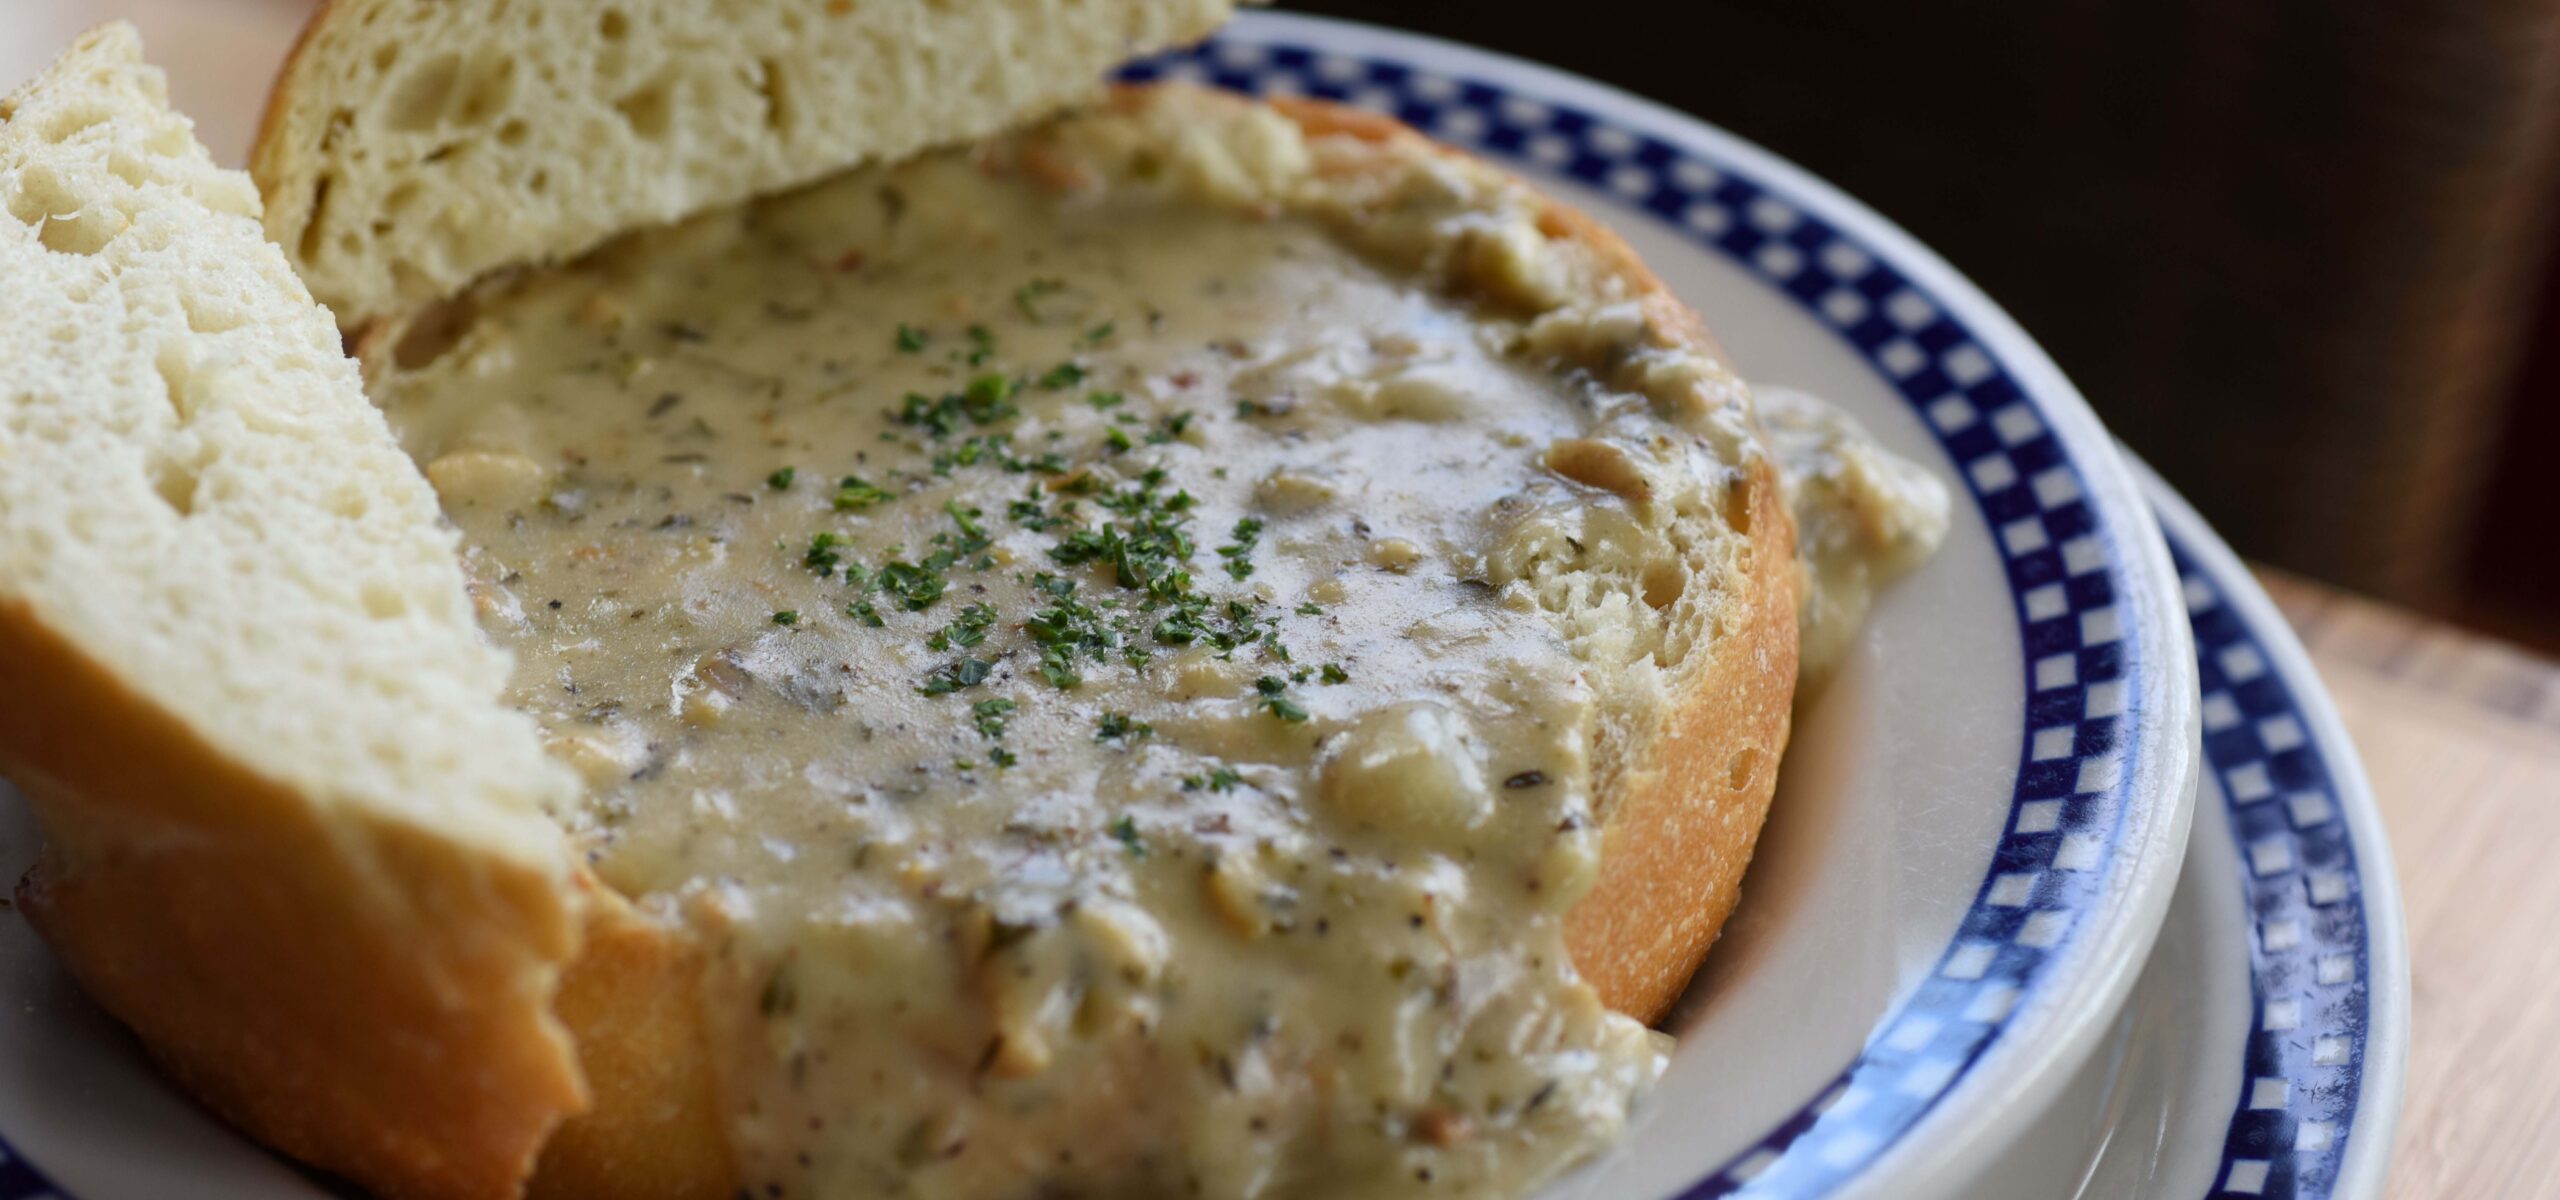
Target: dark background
x=2298 y=254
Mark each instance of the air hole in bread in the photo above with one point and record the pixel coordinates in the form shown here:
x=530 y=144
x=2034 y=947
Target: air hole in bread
x=613 y=26
x=511 y=132
x=1737 y=505
x=177 y=378
x=647 y=110
x=434 y=332
x=540 y=184
x=85 y=232
x=418 y=102
x=46 y=201
x=489 y=93
x=777 y=103
x=385 y=57
x=313 y=235
x=175 y=481
x=1663 y=584
x=1739 y=769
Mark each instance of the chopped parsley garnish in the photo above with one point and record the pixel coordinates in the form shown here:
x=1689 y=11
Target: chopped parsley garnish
x=823 y=556
x=1001 y=757
x=910 y=339
x=1098 y=334
x=966 y=518
x=1067 y=630
x=954 y=675
x=987 y=399
x=969 y=630
x=1171 y=429
x=1239 y=551
x=1063 y=376
x=1333 y=673
x=788 y=616
x=1117 y=727
x=1311 y=609
x=982 y=345
x=989 y=717
x=854 y=494
x=862 y=610
x=1121 y=442
x=915 y=585
x=1271 y=693
x=780 y=480
x=1104 y=400
x=1127 y=831
x=1224 y=779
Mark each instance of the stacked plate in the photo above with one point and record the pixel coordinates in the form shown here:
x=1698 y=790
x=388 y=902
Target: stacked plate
x=2074 y=886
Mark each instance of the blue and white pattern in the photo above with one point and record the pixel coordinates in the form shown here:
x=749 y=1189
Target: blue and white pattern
x=2309 y=960
x=2065 y=568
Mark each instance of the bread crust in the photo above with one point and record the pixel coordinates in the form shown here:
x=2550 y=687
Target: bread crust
x=261 y=947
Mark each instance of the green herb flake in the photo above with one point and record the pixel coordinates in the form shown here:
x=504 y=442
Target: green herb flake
x=780 y=480
x=1333 y=673
x=787 y=616
x=910 y=339
x=1063 y=376
x=1239 y=550
x=1126 y=830
x=1117 y=727
x=854 y=494
x=1272 y=695
x=1223 y=779
x=954 y=675
x=989 y=716
x=1104 y=400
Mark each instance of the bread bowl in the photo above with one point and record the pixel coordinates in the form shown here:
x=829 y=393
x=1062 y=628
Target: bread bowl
x=1673 y=849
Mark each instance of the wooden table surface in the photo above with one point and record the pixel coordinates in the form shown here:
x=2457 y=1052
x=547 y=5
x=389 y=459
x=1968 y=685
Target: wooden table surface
x=2462 y=739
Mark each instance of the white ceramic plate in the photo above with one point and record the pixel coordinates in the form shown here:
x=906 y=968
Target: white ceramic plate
x=1983 y=818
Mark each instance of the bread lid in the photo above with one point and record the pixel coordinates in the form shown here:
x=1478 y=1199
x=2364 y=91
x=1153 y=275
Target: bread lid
x=411 y=146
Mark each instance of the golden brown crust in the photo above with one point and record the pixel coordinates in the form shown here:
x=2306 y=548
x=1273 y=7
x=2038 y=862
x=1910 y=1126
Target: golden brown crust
x=1680 y=833
x=262 y=949
x=655 y=1128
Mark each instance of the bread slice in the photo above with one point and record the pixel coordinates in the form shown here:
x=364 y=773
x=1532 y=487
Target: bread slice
x=240 y=681
x=410 y=147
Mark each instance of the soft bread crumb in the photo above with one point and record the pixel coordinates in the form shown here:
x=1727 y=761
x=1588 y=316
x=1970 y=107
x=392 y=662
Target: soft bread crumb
x=411 y=147
x=197 y=494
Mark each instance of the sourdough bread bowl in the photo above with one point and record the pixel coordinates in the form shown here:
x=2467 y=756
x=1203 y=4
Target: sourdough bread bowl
x=352 y=898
